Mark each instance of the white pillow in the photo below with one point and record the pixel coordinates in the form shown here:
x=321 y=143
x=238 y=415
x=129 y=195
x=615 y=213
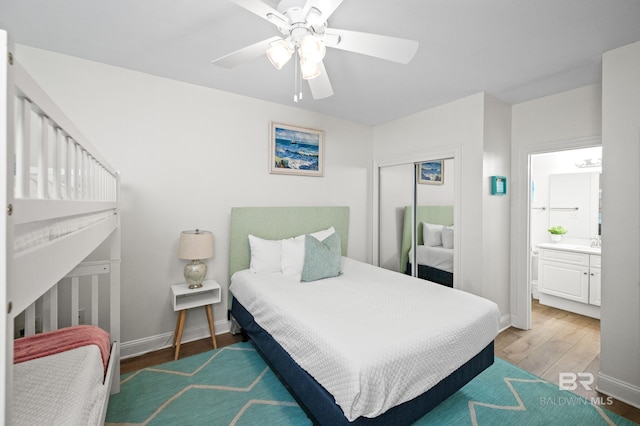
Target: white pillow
x=292 y=255
x=447 y=237
x=266 y=255
x=293 y=251
x=432 y=234
x=322 y=235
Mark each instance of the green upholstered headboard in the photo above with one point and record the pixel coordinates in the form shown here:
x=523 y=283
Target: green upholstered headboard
x=274 y=223
x=440 y=215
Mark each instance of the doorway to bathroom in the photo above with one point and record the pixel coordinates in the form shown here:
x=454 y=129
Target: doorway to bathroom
x=564 y=225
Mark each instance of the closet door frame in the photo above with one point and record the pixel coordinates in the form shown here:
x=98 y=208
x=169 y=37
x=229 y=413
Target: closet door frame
x=454 y=152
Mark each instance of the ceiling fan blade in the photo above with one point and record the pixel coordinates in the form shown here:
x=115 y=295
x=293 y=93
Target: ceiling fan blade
x=263 y=10
x=390 y=48
x=326 y=7
x=321 y=85
x=246 y=53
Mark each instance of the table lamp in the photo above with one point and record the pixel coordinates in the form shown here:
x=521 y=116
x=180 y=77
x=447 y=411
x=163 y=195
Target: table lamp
x=194 y=246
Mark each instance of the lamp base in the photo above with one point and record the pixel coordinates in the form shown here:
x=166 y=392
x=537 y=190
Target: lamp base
x=194 y=273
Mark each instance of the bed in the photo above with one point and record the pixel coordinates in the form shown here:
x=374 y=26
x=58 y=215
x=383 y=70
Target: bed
x=62 y=206
x=331 y=353
x=434 y=234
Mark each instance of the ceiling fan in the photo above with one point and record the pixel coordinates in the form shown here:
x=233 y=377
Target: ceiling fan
x=305 y=35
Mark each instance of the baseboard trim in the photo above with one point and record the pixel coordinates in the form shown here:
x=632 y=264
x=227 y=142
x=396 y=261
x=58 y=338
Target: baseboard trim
x=145 y=345
x=505 y=322
x=622 y=391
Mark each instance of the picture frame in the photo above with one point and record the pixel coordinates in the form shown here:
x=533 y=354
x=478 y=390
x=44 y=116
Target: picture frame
x=295 y=150
x=431 y=172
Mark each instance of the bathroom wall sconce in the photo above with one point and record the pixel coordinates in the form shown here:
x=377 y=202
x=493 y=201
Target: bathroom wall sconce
x=589 y=162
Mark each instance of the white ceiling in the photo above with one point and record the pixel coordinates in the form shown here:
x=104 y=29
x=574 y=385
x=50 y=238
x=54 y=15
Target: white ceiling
x=515 y=50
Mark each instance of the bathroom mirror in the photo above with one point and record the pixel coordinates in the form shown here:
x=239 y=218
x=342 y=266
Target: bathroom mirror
x=575 y=203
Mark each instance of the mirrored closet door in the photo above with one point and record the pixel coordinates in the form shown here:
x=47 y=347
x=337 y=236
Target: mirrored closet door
x=416 y=208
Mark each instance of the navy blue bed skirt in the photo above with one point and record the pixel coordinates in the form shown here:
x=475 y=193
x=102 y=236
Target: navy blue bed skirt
x=318 y=403
x=432 y=274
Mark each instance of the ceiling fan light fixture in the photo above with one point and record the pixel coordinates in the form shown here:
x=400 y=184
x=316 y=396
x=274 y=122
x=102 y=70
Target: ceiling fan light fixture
x=311 y=48
x=279 y=53
x=309 y=69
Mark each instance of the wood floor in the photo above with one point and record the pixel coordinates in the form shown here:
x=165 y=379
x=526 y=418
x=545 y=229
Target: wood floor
x=166 y=355
x=558 y=341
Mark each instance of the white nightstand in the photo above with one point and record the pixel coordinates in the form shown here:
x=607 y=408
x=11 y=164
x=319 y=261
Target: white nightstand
x=183 y=298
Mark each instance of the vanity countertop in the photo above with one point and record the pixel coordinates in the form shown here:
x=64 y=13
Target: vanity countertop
x=570 y=247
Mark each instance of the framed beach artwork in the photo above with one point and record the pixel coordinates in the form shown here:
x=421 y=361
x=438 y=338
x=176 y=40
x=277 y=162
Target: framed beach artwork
x=296 y=150
x=431 y=172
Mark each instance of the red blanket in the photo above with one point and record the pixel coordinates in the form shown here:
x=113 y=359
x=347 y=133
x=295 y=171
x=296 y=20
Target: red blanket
x=65 y=339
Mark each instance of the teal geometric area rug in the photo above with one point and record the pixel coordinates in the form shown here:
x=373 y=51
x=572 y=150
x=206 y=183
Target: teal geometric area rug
x=234 y=386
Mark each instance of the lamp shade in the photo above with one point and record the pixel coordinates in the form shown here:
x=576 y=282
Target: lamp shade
x=195 y=245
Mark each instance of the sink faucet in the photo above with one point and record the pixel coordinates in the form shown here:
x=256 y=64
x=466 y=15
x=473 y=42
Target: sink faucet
x=596 y=241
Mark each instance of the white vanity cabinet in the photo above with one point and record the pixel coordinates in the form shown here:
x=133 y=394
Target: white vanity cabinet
x=594 y=280
x=569 y=278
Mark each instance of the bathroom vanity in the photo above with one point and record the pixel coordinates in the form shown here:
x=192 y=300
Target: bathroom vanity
x=569 y=278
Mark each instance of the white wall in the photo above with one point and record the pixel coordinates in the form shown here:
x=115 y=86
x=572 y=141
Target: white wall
x=620 y=325
x=496 y=219
x=188 y=154
x=566 y=120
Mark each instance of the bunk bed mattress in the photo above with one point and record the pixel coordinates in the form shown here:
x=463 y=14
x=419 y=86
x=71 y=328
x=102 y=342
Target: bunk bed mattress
x=68 y=385
x=33 y=234
x=436 y=257
x=333 y=329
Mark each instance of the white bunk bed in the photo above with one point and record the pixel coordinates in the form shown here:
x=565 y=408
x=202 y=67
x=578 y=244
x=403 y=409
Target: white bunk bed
x=61 y=203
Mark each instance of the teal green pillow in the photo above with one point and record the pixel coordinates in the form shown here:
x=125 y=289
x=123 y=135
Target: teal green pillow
x=322 y=259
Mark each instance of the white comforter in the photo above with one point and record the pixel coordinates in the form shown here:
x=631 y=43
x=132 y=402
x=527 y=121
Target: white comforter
x=62 y=389
x=373 y=338
x=436 y=257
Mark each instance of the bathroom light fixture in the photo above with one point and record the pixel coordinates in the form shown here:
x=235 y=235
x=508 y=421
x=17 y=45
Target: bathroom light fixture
x=589 y=162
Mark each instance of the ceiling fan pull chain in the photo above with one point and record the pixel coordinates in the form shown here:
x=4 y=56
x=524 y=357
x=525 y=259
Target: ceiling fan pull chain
x=295 y=80
x=299 y=78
